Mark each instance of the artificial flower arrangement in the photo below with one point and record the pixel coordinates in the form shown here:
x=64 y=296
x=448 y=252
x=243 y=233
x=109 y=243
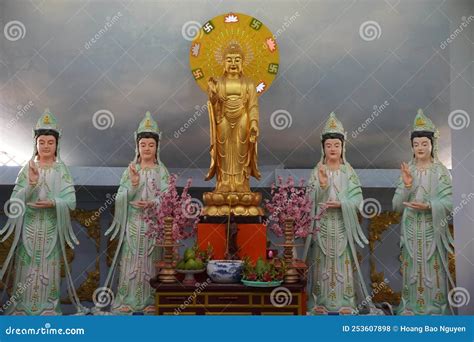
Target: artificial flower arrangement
x=181 y=208
x=272 y=271
x=290 y=202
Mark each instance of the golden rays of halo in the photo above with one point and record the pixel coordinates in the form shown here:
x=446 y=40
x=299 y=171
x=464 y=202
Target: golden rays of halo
x=261 y=52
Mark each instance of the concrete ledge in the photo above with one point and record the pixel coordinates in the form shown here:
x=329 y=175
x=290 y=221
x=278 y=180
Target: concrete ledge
x=110 y=176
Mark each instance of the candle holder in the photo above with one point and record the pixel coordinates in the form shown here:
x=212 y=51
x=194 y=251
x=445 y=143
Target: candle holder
x=167 y=273
x=291 y=274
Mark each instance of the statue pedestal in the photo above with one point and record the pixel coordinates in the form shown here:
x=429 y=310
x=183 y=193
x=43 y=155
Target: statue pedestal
x=251 y=237
x=238 y=203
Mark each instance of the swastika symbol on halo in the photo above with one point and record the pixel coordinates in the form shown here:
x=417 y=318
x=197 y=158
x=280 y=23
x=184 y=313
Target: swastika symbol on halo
x=198 y=74
x=255 y=24
x=273 y=68
x=208 y=27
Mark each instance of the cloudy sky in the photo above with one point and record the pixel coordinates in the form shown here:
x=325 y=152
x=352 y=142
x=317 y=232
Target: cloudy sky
x=344 y=56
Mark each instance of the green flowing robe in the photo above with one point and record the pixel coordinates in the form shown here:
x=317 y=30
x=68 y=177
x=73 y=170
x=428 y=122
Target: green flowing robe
x=332 y=251
x=136 y=253
x=40 y=236
x=425 y=241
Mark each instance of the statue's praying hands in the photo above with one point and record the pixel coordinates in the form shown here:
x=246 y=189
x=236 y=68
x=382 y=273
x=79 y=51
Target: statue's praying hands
x=33 y=178
x=408 y=181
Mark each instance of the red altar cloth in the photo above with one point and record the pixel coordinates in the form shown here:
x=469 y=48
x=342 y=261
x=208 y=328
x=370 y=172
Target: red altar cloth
x=251 y=239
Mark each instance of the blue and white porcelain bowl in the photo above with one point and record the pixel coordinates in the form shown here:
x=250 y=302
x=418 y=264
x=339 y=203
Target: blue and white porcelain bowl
x=225 y=271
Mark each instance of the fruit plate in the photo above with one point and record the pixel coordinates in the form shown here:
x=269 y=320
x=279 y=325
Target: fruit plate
x=189 y=276
x=262 y=283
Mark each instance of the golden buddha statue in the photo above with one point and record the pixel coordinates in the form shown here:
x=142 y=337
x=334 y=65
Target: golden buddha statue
x=234 y=116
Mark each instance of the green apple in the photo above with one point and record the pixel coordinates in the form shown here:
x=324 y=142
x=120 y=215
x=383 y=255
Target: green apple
x=191 y=265
x=189 y=254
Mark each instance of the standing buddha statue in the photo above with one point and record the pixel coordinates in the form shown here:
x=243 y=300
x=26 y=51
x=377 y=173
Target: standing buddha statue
x=234 y=117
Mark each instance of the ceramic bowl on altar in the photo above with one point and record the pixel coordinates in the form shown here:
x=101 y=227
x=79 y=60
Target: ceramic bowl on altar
x=225 y=271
